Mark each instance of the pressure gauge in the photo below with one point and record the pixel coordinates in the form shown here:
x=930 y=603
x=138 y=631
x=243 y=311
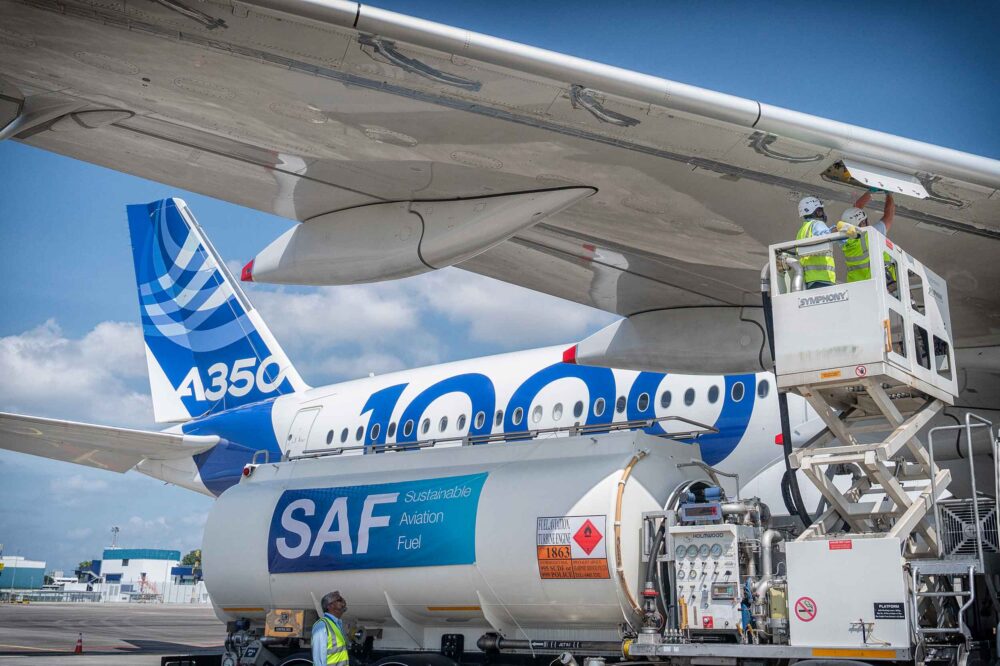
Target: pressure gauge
x=692 y=551
x=703 y=551
x=680 y=574
x=716 y=550
x=680 y=552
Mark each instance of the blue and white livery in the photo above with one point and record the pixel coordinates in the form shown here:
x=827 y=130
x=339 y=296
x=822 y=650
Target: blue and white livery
x=218 y=373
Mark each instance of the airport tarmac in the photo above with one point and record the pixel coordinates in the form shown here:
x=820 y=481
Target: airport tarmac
x=46 y=633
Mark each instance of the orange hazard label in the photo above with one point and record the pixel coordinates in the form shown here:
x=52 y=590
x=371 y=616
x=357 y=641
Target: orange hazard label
x=572 y=547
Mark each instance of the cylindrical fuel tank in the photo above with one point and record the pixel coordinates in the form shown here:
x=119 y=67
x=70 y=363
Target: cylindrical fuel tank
x=510 y=535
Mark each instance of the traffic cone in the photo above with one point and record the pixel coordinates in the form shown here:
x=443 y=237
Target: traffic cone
x=79 y=645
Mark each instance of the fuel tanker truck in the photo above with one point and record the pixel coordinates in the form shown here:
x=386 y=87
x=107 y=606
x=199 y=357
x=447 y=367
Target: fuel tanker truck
x=527 y=548
x=584 y=549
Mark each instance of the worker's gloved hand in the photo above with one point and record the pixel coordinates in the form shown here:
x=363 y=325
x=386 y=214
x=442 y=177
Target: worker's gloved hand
x=874 y=190
x=848 y=229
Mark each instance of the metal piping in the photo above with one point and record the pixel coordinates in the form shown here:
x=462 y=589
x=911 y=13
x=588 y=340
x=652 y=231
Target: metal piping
x=766 y=563
x=798 y=274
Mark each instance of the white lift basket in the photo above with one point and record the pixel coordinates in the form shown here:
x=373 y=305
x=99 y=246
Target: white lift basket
x=900 y=331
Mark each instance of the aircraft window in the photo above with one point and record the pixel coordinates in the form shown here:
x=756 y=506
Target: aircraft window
x=425 y=426
x=329 y=437
x=391 y=432
x=408 y=428
x=643 y=402
x=343 y=435
x=713 y=394
x=737 y=391
x=360 y=433
x=536 y=414
x=557 y=411
x=460 y=424
x=480 y=420
x=499 y=417
x=598 y=406
x=689 y=397
x=376 y=429
x=443 y=424
x=578 y=409
x=763 y=388
x=518 y=416
x=620 y=404
x=665 y=399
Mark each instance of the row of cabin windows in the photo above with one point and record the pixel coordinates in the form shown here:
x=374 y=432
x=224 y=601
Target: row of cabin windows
x=517 y=416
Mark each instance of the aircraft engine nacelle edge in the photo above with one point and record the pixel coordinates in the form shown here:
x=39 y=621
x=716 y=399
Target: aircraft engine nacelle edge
x=387 y=241
x=698 y=341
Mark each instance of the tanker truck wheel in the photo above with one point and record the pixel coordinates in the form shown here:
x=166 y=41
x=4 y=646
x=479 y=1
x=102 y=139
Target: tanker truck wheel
x=297 y=659
x=416 y=659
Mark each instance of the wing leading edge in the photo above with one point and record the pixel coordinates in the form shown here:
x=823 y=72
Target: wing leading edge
x=103 y=447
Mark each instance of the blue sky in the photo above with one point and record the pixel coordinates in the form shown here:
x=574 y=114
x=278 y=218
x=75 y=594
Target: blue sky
x=69 y=346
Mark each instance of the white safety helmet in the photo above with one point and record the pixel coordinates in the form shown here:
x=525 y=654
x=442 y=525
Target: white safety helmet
x=855 y=216
x=808 y=206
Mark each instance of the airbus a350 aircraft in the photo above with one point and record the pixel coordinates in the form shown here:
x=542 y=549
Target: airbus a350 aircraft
x=215 y=366
x=403 y=146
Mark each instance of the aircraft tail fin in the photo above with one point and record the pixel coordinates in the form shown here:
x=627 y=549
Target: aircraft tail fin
x=207 y=348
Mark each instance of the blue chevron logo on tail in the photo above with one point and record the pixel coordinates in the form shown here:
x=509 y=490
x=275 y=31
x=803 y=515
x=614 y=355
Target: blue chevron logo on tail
x=207 y=348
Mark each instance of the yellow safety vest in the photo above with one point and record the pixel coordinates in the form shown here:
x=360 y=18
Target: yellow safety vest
x=819 y=267
x=335 y=656
x=858 y=266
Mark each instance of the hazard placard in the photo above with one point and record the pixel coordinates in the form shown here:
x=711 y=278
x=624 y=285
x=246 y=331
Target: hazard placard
x=572 y=547
x=805 y=609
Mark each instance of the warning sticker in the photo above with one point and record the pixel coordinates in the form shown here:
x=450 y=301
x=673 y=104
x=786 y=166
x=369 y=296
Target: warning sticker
x=572 y=547
x=805 y=609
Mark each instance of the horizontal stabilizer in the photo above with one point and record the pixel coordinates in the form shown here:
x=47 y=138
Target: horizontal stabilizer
x=104 y=447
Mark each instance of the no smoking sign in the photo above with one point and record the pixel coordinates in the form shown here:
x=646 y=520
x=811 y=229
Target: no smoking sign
x=805 y=609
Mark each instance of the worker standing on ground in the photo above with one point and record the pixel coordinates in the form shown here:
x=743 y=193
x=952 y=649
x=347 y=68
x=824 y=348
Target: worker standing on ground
x=328 y=643
x=819 y=268
x=856 y=249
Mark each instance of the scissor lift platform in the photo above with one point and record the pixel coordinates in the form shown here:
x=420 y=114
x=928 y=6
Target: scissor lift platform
x=874 y=354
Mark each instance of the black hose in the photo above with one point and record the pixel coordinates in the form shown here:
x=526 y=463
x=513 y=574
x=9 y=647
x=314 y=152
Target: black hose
x=786 y=428
x=657 y=542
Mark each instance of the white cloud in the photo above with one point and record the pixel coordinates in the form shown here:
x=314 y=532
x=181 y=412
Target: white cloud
x=99 y=377
x=77 y=483
x=507 y=315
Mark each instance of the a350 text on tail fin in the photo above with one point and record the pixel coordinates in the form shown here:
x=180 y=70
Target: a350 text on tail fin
x=207 y=349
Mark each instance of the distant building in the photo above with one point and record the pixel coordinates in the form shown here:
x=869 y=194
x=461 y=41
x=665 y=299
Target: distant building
x=21 y=574
x=144 y=574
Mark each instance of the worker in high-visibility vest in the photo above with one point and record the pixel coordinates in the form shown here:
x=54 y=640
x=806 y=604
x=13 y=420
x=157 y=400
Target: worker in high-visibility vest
x=819 y=269
x=856 y=249
x=329 y=645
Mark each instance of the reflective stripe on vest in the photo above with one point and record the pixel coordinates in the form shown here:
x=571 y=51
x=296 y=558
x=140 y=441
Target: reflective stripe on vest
x=856 y=258
x=819 y=267
x=338 y=656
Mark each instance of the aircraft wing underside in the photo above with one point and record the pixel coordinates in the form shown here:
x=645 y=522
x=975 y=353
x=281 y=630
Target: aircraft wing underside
x=306 y=108
x=103 y=447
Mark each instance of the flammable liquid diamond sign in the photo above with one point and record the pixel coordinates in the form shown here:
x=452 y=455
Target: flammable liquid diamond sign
x=572 y=547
